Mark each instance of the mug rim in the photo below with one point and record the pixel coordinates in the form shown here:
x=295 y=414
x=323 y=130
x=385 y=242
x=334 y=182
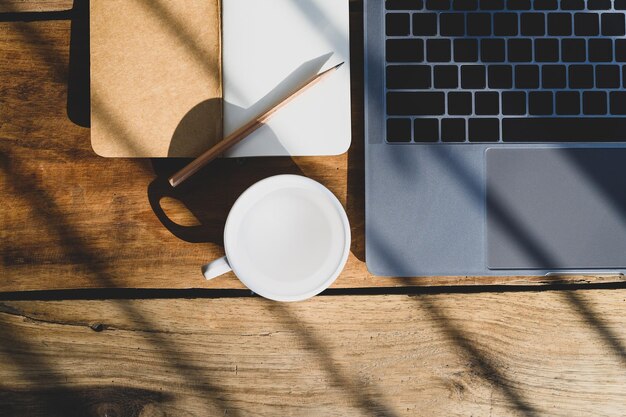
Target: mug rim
x=346 y=234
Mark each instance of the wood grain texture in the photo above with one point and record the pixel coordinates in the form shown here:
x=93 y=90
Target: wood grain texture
x=21 y=6
x=70 y=219
x=507 y=354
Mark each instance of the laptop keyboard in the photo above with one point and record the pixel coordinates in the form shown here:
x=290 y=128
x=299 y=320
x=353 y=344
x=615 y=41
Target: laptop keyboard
x=505 y=71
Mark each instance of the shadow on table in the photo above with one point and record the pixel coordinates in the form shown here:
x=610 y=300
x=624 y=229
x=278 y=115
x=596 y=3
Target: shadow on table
x=355 y=201
x=78 y=86
x=223 y=182
x=210 y=193
x=91 y=401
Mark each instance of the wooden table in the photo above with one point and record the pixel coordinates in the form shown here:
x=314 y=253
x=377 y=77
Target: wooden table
x=103 y=310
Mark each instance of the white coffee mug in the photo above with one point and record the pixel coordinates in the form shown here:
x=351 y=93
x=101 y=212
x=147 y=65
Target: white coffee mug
x=287 y=238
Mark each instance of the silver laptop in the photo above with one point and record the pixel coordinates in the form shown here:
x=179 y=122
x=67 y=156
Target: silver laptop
x=495 y=137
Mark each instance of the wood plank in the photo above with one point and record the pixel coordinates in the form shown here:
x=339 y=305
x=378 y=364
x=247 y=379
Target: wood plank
x=70 y=219
x=21 y=6
x=513 y=354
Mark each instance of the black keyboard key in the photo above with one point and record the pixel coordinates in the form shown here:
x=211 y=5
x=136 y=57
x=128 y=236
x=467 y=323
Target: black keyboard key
x=492 y=50
x=438 y=50
x=486 y=103
x=425 y=130
x=594 y=103
x=613 y=24
x=484 y=130
x=408 y=103
x=446 y=76
x=572 y=4
x=452 y=24
x=520 y=50
x=459 y=103
x=492 y=4
x=424 y=24
x=453 y=130
x=404 y=4
x=600 y=50
x=397 y=24
x=437 y=4
x=618 y=102
x=465 y=5
x=620 y=50
x=619 y=4
x=473 y=76
x=465 y=50
x=408 y=76
x=404 y=50
x=586 y=24
x=598 y=4
x=532 y=24
x=607 y=76
x=546 y=50
x=478 y=24
x=526 y=76
x=505 y=24
x=559 y=24
x=546 y=4
x=398 y=130
x=518 y=4
x=553 y=76
x=573 y=50
x=548 y=129
x=500 y=76
x=567 y=103
x=581 y=76
x=540 y=103
x=514 y=103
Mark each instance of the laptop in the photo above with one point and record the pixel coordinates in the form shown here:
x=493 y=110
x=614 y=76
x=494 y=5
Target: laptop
x=495 y=137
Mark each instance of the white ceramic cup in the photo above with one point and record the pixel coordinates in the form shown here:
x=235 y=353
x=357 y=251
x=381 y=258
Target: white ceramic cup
x=287 y=238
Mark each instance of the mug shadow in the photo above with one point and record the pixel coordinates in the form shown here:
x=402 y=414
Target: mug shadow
x=196 y=210
x=201 y=204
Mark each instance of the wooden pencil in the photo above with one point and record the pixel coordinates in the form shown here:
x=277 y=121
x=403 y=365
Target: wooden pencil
x=241 y=133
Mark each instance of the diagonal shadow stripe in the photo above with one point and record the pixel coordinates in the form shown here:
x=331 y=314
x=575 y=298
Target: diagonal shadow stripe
x=535 y=249
x=78 y=250
x=487 y=367
x=371 y=404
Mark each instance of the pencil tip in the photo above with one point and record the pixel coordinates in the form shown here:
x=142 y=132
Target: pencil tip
x=339 y=64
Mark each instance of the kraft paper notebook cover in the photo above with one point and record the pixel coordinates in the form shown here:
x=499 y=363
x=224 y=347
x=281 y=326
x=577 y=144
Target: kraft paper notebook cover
x=156 y=81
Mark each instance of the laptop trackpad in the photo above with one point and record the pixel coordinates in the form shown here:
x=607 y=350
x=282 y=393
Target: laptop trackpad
x=556 y=208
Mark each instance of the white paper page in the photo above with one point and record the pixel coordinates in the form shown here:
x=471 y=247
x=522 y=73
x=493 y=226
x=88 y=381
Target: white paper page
x=270 y=48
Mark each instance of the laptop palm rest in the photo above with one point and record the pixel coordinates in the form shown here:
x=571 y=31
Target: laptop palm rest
x=556 y=208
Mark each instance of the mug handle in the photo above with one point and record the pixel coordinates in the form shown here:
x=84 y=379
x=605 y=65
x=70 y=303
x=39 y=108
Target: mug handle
x=216 y=268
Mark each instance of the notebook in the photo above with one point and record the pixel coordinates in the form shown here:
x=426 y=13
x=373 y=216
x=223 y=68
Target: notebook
x=156 y=84
x=156 y=76
x=270 y=51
